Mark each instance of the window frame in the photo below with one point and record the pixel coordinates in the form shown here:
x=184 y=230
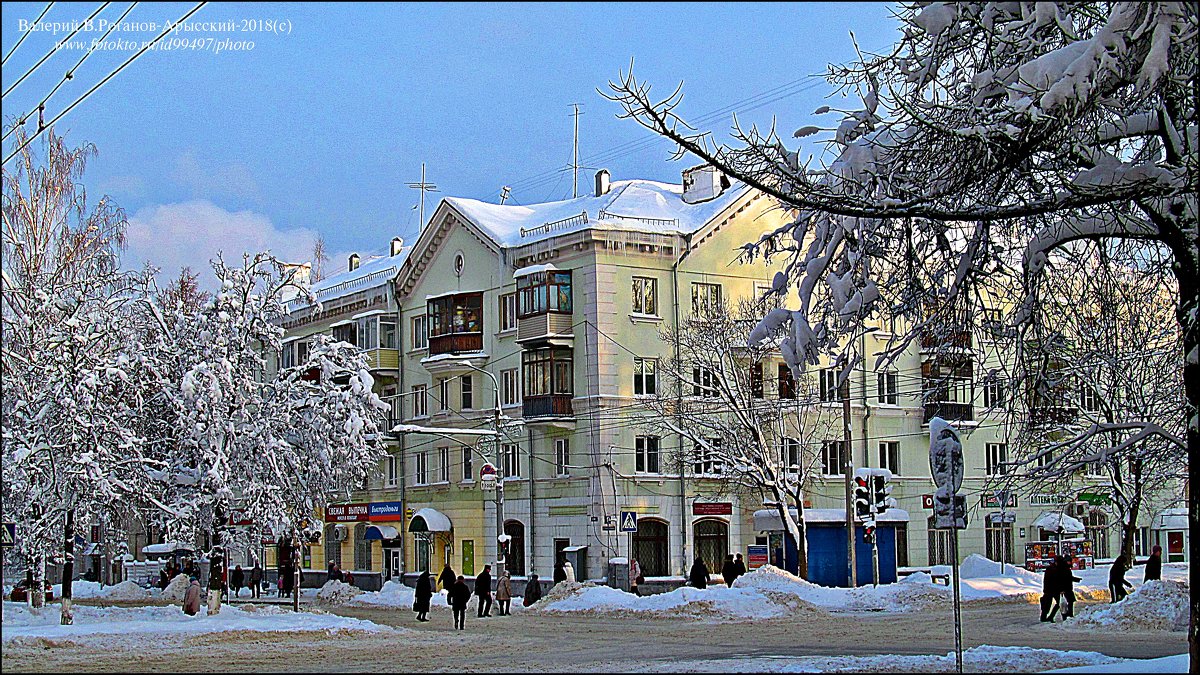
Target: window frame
x=889 y=456
x=510 y=454
x=510 y=387
x=888 y=388
x=829 y=389
x=706 y=298
x=840 y=468
x=421 y=468
x=995 y=459
x=704 y=463
x=562 y=456
x=543 y=293
x=420 y=332
x=641 y=377
x=507 y=304
x=640 y=286
x=468 y=472
x=466 y=391
x=643 y=454
x=420 y=397
x=444 y=464
x=789 y=454
x=786 y=383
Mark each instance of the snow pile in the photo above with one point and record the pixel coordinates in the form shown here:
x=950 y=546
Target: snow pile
x=1156 y=605
x=985 y=658
x=1165 y=664
x=175 y=590
x=976 y=566
x=336 y=592
x=396 y=594
x=126 y=590
x=24 y=623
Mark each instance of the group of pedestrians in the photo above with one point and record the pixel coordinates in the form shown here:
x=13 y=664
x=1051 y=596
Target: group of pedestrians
x=459 y=594
x=730 y=571
x=1058 y=584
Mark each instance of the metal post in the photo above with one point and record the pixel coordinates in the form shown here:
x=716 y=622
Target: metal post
x=958 y=650
x=501 y=561
x=847 y=470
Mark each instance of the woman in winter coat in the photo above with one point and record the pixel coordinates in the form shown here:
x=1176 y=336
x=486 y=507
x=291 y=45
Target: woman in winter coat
x=729 y=570
x=1154 y=565
x=256 y=577
x=422 y=595
x=191 y=599
x=460 y=597
x=447 y=577
x=237 y=579
x=504 y=593
x=635 y=576
x=699 y=574
x=533 y=591
x=560 y=572
x=1116 y=580
x=1066 y=586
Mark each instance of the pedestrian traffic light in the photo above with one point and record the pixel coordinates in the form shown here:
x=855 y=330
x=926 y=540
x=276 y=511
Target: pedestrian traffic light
x=862 y=499
x=869 y=532
x=880 y=489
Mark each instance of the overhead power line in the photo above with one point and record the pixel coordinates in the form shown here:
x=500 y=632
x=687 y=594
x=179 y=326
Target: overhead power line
x=35 y=23
x=54 y=51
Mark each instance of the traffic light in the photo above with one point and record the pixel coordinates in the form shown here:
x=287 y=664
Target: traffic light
x=880 y=489
x=862 y=499
x=869 y=532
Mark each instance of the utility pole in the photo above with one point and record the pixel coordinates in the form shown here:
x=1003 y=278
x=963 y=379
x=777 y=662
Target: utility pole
x=575 y=161
x=848 y=471
x=423 y=187
x=504 y=192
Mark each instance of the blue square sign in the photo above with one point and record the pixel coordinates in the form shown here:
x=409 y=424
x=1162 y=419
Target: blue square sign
x=629 y=521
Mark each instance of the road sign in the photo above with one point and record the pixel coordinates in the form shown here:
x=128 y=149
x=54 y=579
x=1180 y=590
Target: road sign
x=629 y=521
x=9 y=535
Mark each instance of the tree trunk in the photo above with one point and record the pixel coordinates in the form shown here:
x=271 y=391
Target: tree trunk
x=1189 y=304
x=216 y=563
x=68 y=571
x=37 y=589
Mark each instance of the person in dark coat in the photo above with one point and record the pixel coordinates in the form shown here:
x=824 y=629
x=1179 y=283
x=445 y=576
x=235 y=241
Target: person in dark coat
x=256 y=579
x=1066 y=586
x=422 y=596
x=739 y=567
x=237 y=579
x=560 y=571
x=1049 y=600
x=728 y=570
x=1116 y=580
x=334 y=573
x=483 y=588
x=533 y=591
x=447 y=577
x=699 y=574
x=460 y=597
x=1154 y=565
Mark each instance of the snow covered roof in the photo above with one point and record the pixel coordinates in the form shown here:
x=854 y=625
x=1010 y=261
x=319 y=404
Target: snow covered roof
x=418 y=429
x=374 y=270
x=432 y=519
x=637 y=205
x=167 y=547
x=1171 y=519
x=1052 y=520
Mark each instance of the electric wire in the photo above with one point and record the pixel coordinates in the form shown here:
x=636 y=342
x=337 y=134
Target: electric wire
x=34 y=25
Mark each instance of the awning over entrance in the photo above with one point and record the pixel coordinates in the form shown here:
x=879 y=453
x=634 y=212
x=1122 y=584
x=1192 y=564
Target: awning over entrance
x=768 y=520
x=1170 y=519
x=1057 y=522
x=429 y=520
x=381 y=532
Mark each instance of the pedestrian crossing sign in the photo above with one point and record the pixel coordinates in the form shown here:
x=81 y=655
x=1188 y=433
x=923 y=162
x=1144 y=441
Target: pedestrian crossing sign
x=8 y=536
x=629 y=521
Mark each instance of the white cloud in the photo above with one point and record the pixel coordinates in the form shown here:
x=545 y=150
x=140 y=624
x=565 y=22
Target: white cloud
x=172 y=236
x=212 y=179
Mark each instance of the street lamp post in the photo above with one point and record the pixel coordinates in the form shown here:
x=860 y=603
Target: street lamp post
x=501 y=560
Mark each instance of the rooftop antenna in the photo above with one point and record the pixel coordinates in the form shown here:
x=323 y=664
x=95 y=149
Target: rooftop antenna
x=575 y=160
x=504 y=191
x=423 y=187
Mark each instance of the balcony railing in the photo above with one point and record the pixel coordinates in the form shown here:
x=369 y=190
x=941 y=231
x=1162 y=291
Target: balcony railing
x=554 y=405
x=1043 y=415
x=938 y=337
x=951 y=412
x=455 y=343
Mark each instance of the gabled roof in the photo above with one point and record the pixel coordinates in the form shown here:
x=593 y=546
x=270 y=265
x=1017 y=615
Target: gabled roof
x=636 y=205
x=374 y=270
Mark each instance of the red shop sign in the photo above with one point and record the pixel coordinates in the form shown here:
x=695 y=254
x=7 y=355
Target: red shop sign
x=346 y=513
x=712 y=508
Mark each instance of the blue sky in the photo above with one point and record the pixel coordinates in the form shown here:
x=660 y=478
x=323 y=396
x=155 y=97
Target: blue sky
x=319 y=129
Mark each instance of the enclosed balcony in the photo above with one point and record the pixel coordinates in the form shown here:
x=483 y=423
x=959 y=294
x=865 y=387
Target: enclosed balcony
x=949 y=389
x=548 y=383
x=455 y=323
x=544 y=305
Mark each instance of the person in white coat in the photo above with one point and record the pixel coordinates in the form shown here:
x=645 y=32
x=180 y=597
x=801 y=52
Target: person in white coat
x=635 y=576
x=570 y=570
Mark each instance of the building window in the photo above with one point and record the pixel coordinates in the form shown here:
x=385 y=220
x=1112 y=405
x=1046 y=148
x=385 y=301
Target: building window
x=444 y=464
x=455 y=323
x=993 y=394
x=510 y=387
x=787 y=383
x=368 y=333
x=1044 y=458
x=706 y=299
x=302 y=349
x=420 y=332
x=833 y=457
x=468 y=391
x=511 y=460
x=467 y=472
x=999 y=540
x=645 y=377
x=889 y=392
x=707 y=460
x=645 y=296
x=1096 y=529
x=287 y=357
x=346 y=332
x=390 y=470
x=387 y=334
x=939 y=544
x=1088 y=399
x=646 y=454
x=420 y=397
x=443 y=394
x=993 y=325
x=997 y=457
x=333 y=545
x=889 y=456
x=790 y=455
x=508 y=312
x=548 y=382
x=704 y=382
x=421 y=474
x=542 y=292
x=562 y=455
x=829 y=385
x=1141 y=543
x=1093 y=469
x=362 y=548
x=756 y=380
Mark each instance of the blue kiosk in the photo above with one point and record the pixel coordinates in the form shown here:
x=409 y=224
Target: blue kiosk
x=826 y=537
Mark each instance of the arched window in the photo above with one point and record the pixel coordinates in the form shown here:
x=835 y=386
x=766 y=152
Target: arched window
x=1096 y=524
x=712 y=542
x=515 y=561
x=362 y=548
x=333 y=545
x=650 y=544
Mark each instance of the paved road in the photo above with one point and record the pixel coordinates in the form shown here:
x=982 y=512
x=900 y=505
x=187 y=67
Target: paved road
x=543 y=643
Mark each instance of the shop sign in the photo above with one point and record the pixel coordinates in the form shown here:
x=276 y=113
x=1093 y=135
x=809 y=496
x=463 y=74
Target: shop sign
x=756 y=556
x=384 y=511
x=992 y=500
x=1095 y=499
x=712 y=508
x=927 y=501
x=1049 y=500
x=347 y=513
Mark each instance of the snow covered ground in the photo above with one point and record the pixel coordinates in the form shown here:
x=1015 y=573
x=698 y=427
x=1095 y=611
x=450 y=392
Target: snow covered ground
x=985 y=658
x=21 y=622
x=1166 y=664
x=396 y=594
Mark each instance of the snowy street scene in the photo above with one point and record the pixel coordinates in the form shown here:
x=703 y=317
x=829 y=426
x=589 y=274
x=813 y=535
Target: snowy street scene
x=576 y=337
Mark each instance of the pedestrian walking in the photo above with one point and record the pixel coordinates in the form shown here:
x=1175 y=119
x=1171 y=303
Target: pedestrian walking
x=560 y=572
x=422 y=596
x=256 y=579
x=1049 y=600
x=635 y=576
x=1066 y=586
x=1154 y=565
x=504 y=593
x=447 y=578
x=483 y=589
x=460 y=597
x=739 y=567
x=191 y=599
x=699 y=574
x=334 y=573
x=728 y=570
x=1116 y=580
x=533 y=591
x=237 y=579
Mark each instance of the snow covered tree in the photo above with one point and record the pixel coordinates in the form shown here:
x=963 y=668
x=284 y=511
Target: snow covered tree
x=1064 y=122
x=739 y=423
x=65 y=431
